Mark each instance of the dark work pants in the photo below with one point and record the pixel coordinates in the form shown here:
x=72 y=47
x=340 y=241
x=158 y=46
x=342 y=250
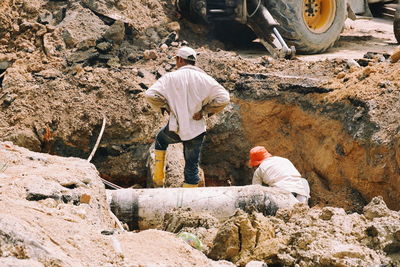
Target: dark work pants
x=191 y=151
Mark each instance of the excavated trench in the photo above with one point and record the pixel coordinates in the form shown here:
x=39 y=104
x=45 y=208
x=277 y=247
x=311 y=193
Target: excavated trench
x=330 y=143
x=58 y=109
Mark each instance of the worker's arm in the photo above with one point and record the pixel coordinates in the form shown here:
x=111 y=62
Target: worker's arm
x=214 y=103
x=257 y=177
x=217 y=101
x=155 y=98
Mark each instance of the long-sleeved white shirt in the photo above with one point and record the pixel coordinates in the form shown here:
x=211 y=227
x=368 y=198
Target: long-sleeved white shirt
x=185 y=92
x=280 y=172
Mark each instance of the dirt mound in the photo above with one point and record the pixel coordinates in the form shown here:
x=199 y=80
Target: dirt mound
x=312 y=237
x=54 y=213
x=376 y=88
x=203 y=225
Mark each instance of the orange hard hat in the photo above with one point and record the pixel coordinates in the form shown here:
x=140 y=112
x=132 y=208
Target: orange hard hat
x=257 y=155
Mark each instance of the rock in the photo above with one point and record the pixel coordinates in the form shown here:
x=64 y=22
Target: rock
x=46 y=18
x=397 y=235
x=353 y=69
x=49 y=73
x=82 y=56
x=164 y=47
x=150 y=54
x=172 y=37
x=106 y=57
x=363 y=62
x=116 y=33
x=81 y=24
x=341 y=75
x=352 y=63
x=160 y=72
x=153 y=35
x=376 y=208
x=107 y=232
x=239 y=235
x=150 y=31
x=175 y=44
x=367 y=71
x=179 y=218
x=69 y=40
x=53 y=44
x=8 y=99
x=5 y=64
x=174 y=26
x=85 y=198
x=342 y=251
x=114 y=62
x=26 y=138
x=86 y=44
x=395 y=56
x=104 y=47
x=326 y=213
x=43 y=190
x=134 y=57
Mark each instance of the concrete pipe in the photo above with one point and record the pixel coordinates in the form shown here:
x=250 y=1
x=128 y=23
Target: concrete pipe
x=145 y=208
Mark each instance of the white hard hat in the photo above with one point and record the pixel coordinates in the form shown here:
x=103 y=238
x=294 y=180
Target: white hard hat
x=187 y=53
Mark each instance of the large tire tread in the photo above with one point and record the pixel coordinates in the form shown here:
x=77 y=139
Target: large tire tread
x=293 y=29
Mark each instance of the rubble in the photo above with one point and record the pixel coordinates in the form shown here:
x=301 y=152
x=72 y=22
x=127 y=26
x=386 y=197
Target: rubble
x=53 y=209
x=395 y=56
x=63 y=64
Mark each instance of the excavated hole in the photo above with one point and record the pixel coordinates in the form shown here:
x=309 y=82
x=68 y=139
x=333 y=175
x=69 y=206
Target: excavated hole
x=330 y=145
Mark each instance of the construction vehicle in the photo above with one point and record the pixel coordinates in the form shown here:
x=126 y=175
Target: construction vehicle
x=282 y=26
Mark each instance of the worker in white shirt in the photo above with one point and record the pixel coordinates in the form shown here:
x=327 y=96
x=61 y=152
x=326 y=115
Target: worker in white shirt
x=278 y=172
x=187 y=94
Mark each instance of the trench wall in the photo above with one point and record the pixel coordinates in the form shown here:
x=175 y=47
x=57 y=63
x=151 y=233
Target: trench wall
x=327 y=143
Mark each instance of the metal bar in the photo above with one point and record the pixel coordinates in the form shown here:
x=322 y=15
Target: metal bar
x=280 y=39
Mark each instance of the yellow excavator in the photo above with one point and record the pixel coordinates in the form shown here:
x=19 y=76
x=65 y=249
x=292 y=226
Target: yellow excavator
x=282 y=26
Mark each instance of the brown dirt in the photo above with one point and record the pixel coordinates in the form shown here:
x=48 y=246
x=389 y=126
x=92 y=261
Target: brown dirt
x=299 y=235
x=338 y=124
x=53 y=209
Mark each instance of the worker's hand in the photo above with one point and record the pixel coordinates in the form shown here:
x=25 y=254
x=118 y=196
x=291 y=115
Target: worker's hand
x=198 y=115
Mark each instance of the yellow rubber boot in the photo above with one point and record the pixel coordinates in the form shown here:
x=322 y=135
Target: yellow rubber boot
x=189 y=185
x=159 y=176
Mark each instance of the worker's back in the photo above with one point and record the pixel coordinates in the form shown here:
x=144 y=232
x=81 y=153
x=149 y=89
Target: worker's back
x=280 y=172
x=187 y=90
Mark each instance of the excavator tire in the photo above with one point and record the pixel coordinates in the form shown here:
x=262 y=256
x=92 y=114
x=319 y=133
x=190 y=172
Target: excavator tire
x=396 y=24
x=312 y=26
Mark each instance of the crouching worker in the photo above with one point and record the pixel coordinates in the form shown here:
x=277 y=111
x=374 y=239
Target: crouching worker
x=278 y=172
x=187 y=94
